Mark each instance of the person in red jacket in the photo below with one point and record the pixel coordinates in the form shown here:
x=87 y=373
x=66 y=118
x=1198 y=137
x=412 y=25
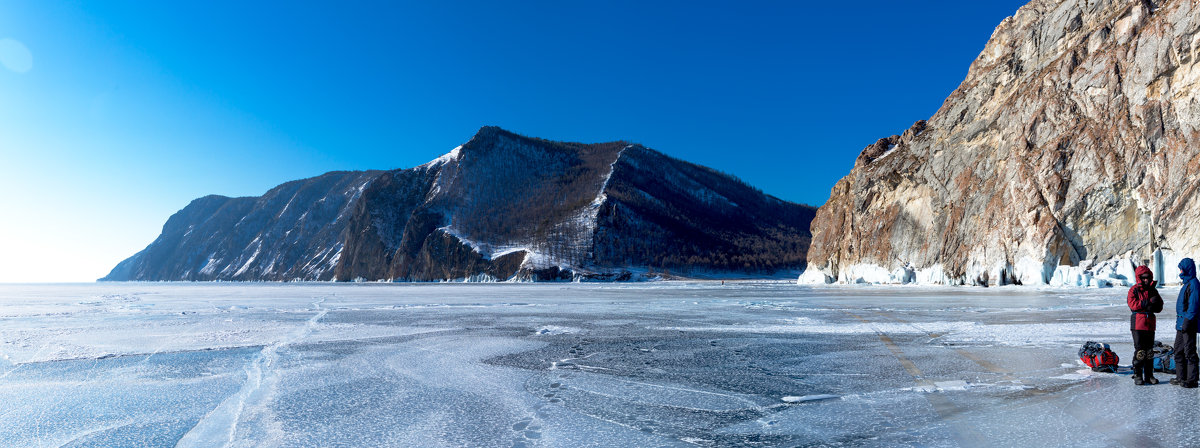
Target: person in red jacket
x=1144 y=301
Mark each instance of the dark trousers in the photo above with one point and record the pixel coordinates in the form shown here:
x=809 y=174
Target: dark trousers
x=1143 y=342
x=1187 y=364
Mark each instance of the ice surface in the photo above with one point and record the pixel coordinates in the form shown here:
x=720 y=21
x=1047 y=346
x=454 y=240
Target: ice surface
x=663 y=364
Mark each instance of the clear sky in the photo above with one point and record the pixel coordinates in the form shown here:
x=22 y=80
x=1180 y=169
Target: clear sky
x=115 y=114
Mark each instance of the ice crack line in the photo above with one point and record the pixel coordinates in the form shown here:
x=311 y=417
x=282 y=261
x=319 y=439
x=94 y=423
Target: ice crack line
x=17 y=365
x=220 y=425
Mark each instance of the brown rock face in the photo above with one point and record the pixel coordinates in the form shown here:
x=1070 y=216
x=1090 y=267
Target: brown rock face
x=1073 y=139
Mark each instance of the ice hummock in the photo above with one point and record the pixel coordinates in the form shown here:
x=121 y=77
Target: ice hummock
x=1115 y=272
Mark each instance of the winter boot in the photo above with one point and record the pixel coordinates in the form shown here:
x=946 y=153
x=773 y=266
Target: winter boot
x=1175 y=382
x=1139 y=369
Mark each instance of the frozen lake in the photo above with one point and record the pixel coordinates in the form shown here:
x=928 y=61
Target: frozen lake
x=665 y=364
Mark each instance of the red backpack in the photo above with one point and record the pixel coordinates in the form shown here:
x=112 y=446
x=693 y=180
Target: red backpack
x=1099 y=357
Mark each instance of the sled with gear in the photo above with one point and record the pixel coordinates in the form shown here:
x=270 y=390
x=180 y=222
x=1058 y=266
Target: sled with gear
x=1099 y=357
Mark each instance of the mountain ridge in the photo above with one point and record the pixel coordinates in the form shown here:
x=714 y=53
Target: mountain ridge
x=502 y=206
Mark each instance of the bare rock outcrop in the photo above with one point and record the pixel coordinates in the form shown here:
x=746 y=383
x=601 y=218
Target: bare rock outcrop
x=1073 y=140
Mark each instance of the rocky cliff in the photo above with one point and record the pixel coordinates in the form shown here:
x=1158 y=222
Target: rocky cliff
x=502 y=206
x=1068 y=153
x=292 y=231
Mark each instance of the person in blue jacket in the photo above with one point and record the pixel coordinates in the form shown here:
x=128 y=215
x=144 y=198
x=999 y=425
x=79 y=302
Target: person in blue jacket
x=1186 y=306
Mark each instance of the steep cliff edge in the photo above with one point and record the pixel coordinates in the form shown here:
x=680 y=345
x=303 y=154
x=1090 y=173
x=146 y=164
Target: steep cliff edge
x=1073 y=141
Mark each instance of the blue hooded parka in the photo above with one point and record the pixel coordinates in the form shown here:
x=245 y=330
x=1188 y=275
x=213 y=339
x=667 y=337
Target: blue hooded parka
x=1189 y=297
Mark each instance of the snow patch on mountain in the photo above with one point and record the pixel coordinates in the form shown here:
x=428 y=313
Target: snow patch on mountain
x=211 y=265
x=443 y=159
x=488 y=250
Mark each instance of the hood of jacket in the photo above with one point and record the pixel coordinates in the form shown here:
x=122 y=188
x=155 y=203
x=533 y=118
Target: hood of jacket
x=1187 y=269
x=1143 y=272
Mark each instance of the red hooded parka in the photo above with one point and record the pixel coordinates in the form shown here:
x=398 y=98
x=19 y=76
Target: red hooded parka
x=1144 y=300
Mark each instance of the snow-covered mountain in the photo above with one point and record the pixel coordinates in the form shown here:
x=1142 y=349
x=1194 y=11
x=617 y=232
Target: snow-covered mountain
x=1067 y=154
x=501 y=206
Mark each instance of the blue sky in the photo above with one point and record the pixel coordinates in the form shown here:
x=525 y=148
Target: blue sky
x=115 y=114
